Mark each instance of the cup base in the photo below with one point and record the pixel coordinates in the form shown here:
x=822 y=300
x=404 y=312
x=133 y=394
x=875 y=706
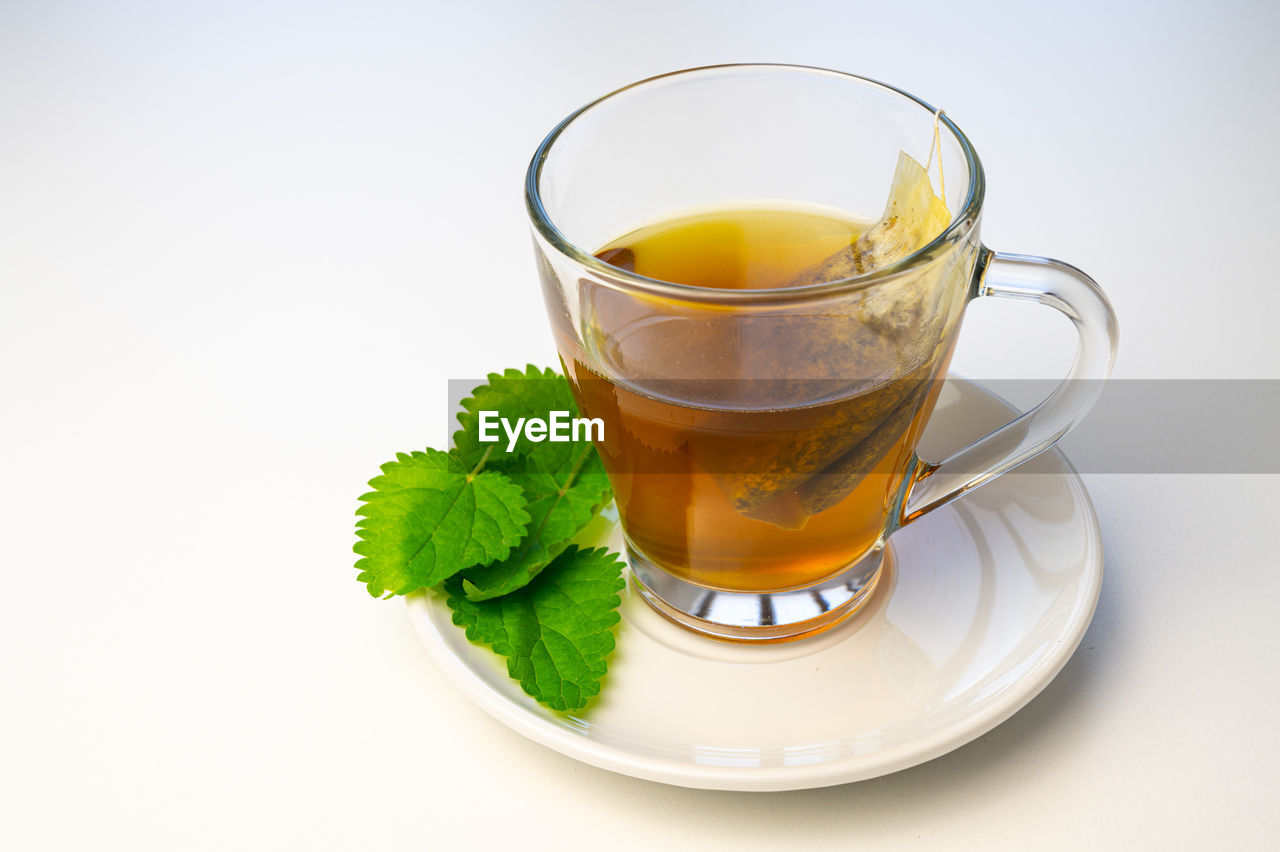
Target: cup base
x=758 y=617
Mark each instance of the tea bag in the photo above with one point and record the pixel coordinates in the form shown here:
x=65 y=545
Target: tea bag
x=766 y=474
x=790 y=481
x=827 y=488
x=883 y=329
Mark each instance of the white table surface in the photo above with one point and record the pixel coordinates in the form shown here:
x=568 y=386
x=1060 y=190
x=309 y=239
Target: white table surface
x=243 y=246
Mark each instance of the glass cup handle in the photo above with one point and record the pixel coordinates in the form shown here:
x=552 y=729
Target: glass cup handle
x=1059 y=285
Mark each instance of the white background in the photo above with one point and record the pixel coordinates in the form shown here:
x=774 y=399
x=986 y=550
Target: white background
x=243 y=246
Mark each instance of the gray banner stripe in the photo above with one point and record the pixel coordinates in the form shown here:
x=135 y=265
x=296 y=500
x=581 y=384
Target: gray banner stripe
x=1139 y=426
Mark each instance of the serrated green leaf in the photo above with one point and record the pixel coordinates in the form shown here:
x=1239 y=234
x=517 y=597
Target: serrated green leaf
x=556 y=632
x=563 y=481
x=532 y=392
x=430 y=517
x=559 y=505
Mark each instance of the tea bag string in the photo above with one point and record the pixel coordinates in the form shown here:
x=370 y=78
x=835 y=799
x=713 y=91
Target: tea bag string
x=936 y=143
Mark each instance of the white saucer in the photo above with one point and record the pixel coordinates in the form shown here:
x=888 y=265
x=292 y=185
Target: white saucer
x=984 y=602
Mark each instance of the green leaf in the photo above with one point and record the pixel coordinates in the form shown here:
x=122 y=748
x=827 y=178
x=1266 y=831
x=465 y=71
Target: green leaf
x=560 y=504
x=563 y=481
x=515 y=394
x=556 y=632
x=429 y=517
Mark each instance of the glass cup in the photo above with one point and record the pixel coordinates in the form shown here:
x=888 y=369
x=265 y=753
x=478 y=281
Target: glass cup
x=761 y=443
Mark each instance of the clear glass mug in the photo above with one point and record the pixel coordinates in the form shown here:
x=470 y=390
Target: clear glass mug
x=761 y=443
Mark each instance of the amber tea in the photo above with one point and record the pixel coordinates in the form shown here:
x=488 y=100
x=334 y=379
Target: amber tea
x=755 y=450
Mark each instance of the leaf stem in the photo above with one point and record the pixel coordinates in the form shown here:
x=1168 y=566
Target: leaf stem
x=577 y=466
x=484 y=458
